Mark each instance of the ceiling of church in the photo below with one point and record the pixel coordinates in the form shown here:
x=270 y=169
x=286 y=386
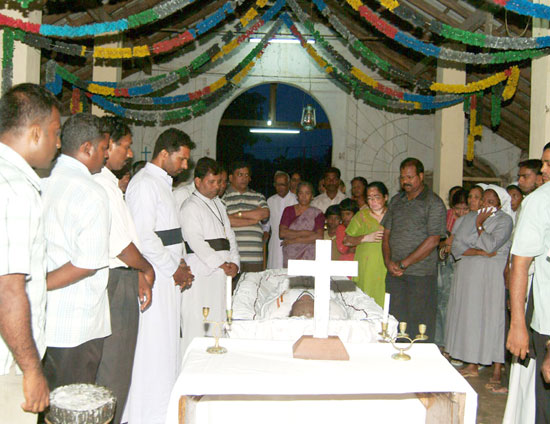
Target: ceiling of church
x=479 y=16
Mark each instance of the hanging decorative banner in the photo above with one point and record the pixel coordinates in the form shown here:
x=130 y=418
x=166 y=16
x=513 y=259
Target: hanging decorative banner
x=465 y=37
x=511 y=84
x=7 y=59
x=526 y=8
x=156 y=13
x=40 y=42
x=475 y=127
x=455 y=89
x=199 y=106
x=159 y=82
x=24 y=3
x=496 y=103
x=172 y=101
x=358 y=77
x=444 y=53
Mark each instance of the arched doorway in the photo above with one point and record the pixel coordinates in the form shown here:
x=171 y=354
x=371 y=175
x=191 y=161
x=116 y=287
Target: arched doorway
x=307 y=152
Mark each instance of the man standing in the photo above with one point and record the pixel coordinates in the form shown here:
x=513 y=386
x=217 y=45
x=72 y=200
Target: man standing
x=246 y=209
x=277 y=204
x=211 y=249
x=332 y=194
x=76 y=224
x=532 y=241
x=153 y=208
x=529 y=175
x=413 y=225
x=29 y=137
x=130 y=275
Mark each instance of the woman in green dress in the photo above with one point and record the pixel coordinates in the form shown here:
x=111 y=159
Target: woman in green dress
x=365 y=232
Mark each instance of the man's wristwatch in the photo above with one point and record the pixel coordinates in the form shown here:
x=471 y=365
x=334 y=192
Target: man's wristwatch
x=480 y=228
x=401 y=266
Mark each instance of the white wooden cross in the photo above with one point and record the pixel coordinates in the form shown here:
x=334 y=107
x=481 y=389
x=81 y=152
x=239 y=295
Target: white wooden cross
x=322 y=268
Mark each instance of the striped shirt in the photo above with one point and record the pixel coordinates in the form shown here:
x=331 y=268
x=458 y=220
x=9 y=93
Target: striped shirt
x=22 y=244
x=249 y=239
x=76 y=225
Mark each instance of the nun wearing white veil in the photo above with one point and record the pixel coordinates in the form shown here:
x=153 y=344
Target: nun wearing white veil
x=475 y=317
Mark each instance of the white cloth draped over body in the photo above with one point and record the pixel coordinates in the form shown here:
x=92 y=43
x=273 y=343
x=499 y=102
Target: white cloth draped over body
x=205 y=219
x=277 y=205
x=152 y=205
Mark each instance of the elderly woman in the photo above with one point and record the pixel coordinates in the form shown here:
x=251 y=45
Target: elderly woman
x=301 y=225
x=474 y=331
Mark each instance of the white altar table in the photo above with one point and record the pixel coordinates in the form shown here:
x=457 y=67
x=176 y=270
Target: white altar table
x=259 y=381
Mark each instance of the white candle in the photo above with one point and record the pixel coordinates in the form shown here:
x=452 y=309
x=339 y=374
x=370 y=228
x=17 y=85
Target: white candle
x=228 y=289
x=386 y=306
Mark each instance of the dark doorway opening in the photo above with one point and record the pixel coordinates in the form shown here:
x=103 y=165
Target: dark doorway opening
x=274 y=106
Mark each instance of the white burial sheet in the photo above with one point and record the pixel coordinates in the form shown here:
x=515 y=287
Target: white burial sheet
x=262 y=303
x=259 y=381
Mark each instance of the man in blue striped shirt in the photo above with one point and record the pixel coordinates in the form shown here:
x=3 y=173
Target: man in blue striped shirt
x=246 y=209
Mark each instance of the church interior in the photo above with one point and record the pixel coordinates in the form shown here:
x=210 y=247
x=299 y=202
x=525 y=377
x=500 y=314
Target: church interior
x=461 y=85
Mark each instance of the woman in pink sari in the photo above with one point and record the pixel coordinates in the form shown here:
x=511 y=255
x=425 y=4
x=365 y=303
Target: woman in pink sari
x=301 y=225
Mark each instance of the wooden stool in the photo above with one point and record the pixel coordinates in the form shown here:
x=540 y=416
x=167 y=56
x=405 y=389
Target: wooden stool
x=81 y=404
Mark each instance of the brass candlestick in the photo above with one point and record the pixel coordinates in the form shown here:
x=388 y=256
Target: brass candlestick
x=384 y=335
x=217 y=331
x=401 y=355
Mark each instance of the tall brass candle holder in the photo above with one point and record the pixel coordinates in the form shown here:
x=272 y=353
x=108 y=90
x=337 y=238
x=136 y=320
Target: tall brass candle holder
x=401 y=355
x=217 y=331
x=384 y=334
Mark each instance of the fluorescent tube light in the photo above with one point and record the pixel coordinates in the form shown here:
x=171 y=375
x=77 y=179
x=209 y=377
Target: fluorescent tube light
x=281 y=40
x=273 y=131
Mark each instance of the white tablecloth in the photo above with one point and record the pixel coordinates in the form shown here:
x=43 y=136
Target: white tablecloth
x=267 y=368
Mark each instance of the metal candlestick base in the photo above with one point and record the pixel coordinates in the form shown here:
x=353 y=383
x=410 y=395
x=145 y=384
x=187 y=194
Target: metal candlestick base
x=218 y=325
x=401 y=355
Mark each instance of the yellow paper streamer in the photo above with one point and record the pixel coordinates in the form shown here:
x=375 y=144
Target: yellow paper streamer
x=511 y=84
x=389 y=4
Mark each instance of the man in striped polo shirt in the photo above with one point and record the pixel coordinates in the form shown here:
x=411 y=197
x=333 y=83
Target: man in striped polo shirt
x=246 y=209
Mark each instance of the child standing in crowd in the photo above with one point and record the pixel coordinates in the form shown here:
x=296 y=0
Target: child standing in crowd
x=333 y=220
x=348 y=208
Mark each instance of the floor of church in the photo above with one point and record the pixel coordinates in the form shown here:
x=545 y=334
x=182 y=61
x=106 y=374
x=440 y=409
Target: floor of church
x=491 y=406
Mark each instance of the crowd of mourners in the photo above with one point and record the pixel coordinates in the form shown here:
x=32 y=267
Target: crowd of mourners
x=106 y=265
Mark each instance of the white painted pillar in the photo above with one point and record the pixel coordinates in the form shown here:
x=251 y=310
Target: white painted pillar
x=449 y=135
x=109 y=73
x=539 y=126
x=26 y=60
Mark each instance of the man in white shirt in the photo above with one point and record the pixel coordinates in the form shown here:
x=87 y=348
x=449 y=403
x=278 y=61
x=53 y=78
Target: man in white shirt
x=152 y=205
x=332 y=194
x=211 y=251
x=130 y=275
x=532 y=243
x=29 y=137
x=76 y=225
x=277 y=204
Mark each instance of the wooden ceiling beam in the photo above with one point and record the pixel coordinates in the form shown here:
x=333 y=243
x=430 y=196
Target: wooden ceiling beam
x=433 y=11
